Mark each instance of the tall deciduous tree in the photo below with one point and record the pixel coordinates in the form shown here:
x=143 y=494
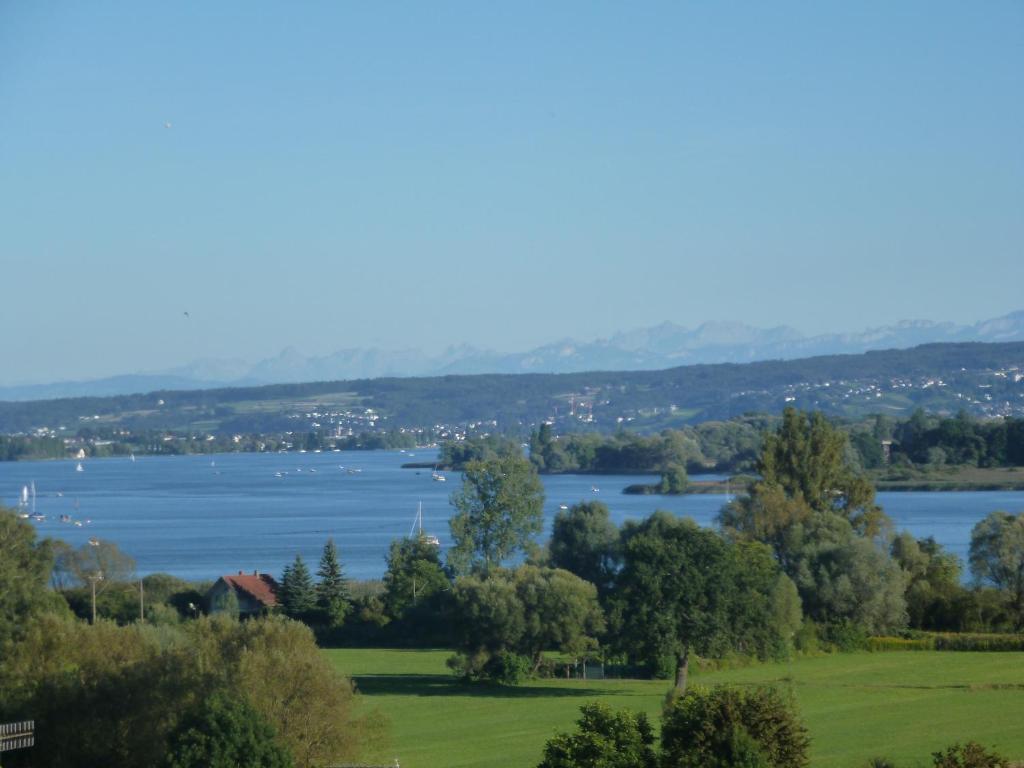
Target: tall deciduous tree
x=585 y=541
x=820 y=518
x=333 y=597
x=997 y=557
x=684 y=589
x=24 y=570
x=499 y=511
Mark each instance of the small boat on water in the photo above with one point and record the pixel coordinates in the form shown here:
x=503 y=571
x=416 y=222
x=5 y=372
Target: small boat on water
x=131 y=457
x=79 y=467
x=438 y=477
x=563 y=507
x=417 y=523
x=94 y=542
x=279 y=474
x=594 y=489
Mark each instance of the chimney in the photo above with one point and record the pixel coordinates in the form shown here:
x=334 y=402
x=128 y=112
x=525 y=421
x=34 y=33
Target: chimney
x=255 y=573
x=239 y=573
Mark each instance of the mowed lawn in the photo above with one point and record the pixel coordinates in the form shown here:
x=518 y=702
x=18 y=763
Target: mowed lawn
x=902 y=705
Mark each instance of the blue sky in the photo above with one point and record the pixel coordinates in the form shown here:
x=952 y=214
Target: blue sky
x=415 y=175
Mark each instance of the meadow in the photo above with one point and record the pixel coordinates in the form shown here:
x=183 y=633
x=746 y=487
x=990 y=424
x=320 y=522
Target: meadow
x=901 y=705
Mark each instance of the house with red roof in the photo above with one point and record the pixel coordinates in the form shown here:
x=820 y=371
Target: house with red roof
x=256 y=593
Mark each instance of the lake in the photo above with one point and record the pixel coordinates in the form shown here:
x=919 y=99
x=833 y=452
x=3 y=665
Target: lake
x=200 y=516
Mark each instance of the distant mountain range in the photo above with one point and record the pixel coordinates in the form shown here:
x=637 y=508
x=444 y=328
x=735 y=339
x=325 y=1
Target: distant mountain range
x=661 y=346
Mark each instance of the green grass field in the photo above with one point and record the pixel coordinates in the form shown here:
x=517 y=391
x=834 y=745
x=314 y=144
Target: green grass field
x=902 y=705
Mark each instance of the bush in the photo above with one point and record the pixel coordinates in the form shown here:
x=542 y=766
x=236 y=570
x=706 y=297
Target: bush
x=603 y=739
x=727 y=727
x=969 y=755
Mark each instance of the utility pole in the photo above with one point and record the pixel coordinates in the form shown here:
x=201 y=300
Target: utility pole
x=142 y=602
x=98 y=576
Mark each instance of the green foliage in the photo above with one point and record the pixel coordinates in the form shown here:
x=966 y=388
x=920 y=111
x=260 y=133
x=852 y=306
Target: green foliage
x=224 y=732
x=414 y=575
x=24 y=570
x=112 y=696
x=76 y=566
x=456 y=454
x=673 y=480
x=525 y=611
x=821 y=521
x=498 y=511
x=333 y=598
x=297 y=595
x=997 y=557
x=933 y=582
x=730 y=726
x=604 y=738
x=969 y=755
x=683 y=588
x=584 y=541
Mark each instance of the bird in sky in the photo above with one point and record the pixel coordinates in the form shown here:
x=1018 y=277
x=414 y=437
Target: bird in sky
x=187 y=314
x=167 y=125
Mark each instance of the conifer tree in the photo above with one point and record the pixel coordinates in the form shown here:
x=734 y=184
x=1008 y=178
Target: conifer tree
x=333 y=597
x=298 y=595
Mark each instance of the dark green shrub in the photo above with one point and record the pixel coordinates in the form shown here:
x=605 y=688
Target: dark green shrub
x=754 y=728
x=603 y=739
x=969 y=755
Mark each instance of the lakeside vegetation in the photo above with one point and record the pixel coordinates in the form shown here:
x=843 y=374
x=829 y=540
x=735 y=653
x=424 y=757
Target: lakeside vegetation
x=803 y=563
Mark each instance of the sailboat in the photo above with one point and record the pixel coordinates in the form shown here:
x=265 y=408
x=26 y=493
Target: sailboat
x=79 y=467
x=438 y=476
x=131 y=457
x=417 y=526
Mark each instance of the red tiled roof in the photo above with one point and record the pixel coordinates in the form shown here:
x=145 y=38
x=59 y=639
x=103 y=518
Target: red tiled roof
x=261 y=587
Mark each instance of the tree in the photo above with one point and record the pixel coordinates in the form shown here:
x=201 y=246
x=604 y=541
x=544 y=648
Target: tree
x=297 y=595
x=603 y=739
x=673 y=480
x=224 y=732
x=584 y=541
x=805 y=460
x=24 y=571
x=820 y=518
x=524 y=612
x=729 y=727
x=414 y=575
x=499 y=510
x=933 y=582
x=682 y=589
x=333 y=598
x=997 y=557
x=131 y=686
x=103 y=558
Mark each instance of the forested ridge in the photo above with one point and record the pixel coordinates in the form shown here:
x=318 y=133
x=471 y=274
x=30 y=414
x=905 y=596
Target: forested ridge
x=937 y=377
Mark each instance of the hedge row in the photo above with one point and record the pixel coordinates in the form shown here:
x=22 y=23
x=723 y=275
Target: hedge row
x=947 y=641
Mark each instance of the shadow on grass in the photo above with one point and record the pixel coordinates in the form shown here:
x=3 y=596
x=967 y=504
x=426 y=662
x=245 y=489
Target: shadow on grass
x=446 y=685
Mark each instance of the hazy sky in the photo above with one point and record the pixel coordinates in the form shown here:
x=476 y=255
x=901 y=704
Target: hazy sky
x=419 y=174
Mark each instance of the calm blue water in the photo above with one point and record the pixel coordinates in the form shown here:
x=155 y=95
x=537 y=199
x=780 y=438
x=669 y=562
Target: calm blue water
x=179 y=514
